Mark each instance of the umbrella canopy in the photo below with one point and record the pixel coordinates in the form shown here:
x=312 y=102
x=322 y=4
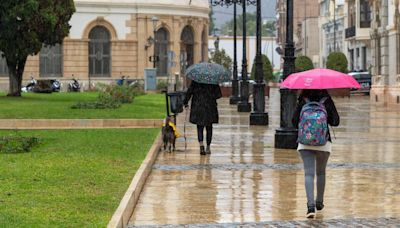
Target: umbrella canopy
x=319 y=79
x=208 y=73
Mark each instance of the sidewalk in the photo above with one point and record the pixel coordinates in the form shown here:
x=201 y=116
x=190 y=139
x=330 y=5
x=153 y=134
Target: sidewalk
x=246 y=181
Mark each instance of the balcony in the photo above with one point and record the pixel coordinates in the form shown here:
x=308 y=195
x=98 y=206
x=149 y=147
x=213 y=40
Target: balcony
x=350 y=32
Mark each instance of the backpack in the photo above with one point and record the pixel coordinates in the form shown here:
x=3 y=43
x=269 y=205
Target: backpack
x=313 y=124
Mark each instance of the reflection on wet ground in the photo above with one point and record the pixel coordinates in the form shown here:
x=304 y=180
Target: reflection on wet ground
x=246 y=181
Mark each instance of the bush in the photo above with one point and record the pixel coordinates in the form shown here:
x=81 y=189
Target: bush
x=303 y=63
x=220 y=57
x=337 y=61
x=112 y=96
x=267 y=69
x=162 y=84
x=17 y=144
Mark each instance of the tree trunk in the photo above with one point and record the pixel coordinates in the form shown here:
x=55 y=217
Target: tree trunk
x=16 y=71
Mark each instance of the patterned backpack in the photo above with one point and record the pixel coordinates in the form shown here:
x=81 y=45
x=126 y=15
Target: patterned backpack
x=313 y=124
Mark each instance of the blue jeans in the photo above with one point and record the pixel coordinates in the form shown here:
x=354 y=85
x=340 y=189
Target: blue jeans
x=314 y=163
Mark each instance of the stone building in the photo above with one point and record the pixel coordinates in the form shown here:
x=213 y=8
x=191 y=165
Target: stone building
x=331 y=22
x=302 y=10
x=385 y=41
x=357 y=34
x=111 y=38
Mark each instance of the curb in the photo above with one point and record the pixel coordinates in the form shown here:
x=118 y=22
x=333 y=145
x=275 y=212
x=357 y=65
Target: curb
x=125 y=209
x=78 y=123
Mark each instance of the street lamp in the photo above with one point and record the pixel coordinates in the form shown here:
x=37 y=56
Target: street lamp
x=259 y=116
x=244 y=105
x=154 y=58
x=286 y=134
x=234 y=99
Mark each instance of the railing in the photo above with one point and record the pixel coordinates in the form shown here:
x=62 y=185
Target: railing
x=350 y=32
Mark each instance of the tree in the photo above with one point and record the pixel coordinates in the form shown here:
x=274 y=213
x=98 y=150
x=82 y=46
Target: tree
x=25 y=27
x=303 y=63
x=268 y=29
x=211 y=19
x=267 y=69
x=220 y=57
x=337 y=61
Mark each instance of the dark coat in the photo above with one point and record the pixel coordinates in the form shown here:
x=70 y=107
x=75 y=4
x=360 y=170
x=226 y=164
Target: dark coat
x=333 y=116
x=204 y=97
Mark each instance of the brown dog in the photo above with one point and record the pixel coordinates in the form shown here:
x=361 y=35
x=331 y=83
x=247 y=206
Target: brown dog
x=168 y=135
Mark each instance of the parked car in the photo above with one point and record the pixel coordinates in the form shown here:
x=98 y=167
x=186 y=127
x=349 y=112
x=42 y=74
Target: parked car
x=364 y=78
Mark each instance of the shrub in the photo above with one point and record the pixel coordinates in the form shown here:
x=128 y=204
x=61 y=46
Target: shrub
x=220 y=57
x=112 y=96
x=17 y=144
x=162 y=84
x=267 y=69
x=303 y=63
x=337 y=61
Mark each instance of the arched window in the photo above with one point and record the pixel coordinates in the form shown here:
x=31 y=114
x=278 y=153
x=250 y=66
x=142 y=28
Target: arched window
x=162 y=48
x=3 y=66
x=187 y=43
x=204 y=46
x=51 y=59
x=99 y=52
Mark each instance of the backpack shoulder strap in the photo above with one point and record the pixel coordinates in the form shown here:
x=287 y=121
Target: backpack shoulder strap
x=322 y=101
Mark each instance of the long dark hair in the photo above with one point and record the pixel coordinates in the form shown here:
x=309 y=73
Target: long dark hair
x=313 y=94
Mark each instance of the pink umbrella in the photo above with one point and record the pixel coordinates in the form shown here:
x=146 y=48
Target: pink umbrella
x=319 y=79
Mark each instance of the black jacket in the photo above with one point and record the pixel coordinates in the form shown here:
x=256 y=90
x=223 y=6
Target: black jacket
x=333 y=116
x=204 y=97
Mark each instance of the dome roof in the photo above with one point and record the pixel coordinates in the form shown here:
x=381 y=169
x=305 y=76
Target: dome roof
x=183 y=3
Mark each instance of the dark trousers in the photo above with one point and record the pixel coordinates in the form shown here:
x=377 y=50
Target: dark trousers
x=200 y=135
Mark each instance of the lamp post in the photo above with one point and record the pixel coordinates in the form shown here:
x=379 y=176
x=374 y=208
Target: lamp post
x=234 y=99
x=243 y=104
x=286 y=134
x=235 y=84
x=242 y=99
x=154 y=58
x=258 y=116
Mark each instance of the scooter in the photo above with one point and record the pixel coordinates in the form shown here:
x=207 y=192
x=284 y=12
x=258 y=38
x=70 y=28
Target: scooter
x=29 y=87
x=55 y=85
x=74 y=86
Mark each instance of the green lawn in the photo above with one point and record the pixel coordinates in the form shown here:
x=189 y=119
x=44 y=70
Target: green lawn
x=73 y=178
x=58 y=106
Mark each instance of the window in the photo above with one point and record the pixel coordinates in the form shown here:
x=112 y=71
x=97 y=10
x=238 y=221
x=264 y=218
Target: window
x=364 y=58
x=352 y=59
x=51 y=59
x=99 y=52
x=3 y=66
x=365 y=14
x=162 y=47
x=187 y=45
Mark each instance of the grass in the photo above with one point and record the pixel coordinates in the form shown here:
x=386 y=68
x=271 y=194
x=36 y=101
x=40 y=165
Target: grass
x=73 y=178
x=58 y=106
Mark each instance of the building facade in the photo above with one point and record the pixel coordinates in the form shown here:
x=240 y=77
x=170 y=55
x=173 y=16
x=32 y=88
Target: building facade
x=331 y=22
x=111 y=38
x=385 y=39
x=357 y=34
x=305 y=27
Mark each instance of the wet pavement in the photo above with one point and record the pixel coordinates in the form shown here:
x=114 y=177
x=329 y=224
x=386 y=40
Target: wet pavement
x=247 y=182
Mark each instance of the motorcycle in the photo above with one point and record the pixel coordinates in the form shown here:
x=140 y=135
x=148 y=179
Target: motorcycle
x=74 y=86
x=29 y=87
x=55 y=85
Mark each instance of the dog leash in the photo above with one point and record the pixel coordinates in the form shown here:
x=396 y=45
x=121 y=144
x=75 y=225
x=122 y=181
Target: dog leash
x=184 y=130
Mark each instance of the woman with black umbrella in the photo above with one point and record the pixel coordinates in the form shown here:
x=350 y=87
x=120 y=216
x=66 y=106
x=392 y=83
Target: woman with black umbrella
x=203 y=111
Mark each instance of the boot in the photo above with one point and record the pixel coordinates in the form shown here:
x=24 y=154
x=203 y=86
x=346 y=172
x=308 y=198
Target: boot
x=208 y=150
x=202 y=151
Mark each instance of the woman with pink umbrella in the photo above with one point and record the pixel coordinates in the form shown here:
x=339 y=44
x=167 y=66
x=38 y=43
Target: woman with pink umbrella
x=316 y=110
